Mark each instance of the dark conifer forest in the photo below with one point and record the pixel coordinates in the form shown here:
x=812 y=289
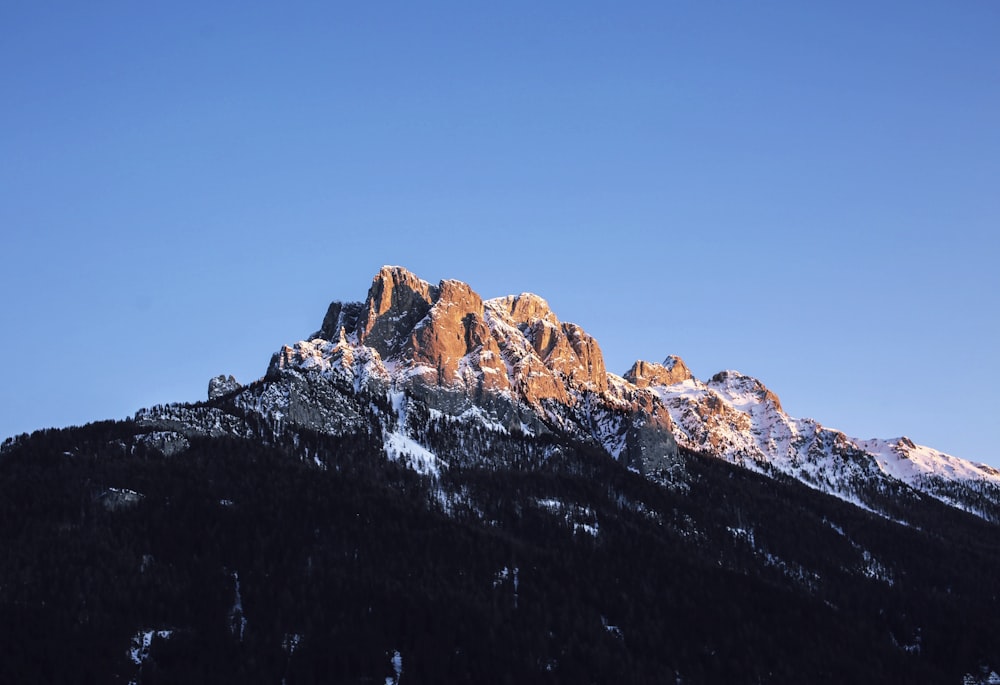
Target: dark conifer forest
x=303 y=558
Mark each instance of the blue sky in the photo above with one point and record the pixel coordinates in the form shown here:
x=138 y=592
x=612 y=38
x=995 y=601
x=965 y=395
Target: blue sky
x=806 y=192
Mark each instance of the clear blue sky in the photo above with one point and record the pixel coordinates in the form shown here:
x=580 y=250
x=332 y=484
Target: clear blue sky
x=805 y=192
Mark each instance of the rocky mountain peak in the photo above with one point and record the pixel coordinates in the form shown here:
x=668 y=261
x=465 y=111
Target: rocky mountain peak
x=393 y=285
x=397 y=300
x=222 y=385
x=565 y=350
x=740 y=388
x=340 y=316
x=446 y=335
x=509 y=359
x=525 y=308
x=672 y=370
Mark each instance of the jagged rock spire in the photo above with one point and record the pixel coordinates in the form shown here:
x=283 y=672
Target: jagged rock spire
x=672 y=370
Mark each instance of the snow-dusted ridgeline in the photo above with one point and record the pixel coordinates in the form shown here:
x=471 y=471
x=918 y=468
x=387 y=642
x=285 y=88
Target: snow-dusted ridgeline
x=413 y=357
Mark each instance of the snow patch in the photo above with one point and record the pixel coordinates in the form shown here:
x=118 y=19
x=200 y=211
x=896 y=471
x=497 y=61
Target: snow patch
x=582 y=519
x=291 y=642
x=744 y=534
x=398 y=446
x=141 y=642
x=505 y=574
x=402 y=448
x=397 y=667
x=237 y=620
x=114 y=499
x=614 y=630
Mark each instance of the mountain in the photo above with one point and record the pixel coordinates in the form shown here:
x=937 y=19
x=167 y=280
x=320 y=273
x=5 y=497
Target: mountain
x=509 y=364
x=434 y=487
x=414 y=356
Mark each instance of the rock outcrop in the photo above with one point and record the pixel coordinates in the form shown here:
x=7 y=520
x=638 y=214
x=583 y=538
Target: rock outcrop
x=672 y=370
x=397 y=301
x=222 y=385
x=743 y=389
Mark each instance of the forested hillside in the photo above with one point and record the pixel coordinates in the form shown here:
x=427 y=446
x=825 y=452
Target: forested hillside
x=302 y=558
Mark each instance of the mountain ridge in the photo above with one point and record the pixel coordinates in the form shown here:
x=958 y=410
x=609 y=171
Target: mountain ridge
x=513 y=358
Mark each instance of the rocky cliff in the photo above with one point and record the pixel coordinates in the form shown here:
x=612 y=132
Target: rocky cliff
x=442 y=349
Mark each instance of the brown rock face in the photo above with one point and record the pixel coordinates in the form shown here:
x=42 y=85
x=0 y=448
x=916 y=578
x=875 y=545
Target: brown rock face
x=454 y=341
x=564 y=349
x=524 y=309
x=397 y=301
x=773 y=399
x=588 y=368
x=510 y=356
x=452 y=338
x=440 y=331
x=672 y=370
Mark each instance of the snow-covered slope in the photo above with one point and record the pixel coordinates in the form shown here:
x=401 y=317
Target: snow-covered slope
x=961 y=483
x=735 y=417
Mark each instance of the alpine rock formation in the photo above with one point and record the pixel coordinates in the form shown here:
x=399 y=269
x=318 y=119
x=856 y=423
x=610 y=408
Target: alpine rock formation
x=415 y=358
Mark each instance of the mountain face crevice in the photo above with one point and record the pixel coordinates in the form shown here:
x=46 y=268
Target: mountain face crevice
x=340 y=317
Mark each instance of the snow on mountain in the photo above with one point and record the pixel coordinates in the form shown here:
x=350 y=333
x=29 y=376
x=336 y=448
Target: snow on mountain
x=964 y=484
x=443 y=376
x=902 y=459
x=737 y=418
x=504 y=365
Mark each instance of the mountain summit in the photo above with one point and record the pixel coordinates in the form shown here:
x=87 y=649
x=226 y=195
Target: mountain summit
x=509 y=362
x=509 y=366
